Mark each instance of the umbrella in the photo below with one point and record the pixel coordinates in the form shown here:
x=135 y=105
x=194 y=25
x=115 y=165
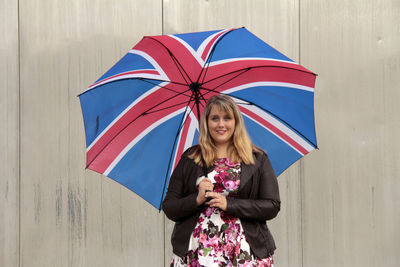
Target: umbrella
x=143 y=113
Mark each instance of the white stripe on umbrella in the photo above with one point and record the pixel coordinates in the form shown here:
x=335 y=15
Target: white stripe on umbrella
x=138 y=138
x=270 y=84
x=294 y=137
x=147 y=93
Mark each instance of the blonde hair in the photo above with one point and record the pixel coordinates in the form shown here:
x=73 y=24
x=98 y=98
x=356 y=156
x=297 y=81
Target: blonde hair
x=241 y=148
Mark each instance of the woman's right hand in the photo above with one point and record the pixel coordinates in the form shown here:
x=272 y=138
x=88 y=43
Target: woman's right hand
x=204 y=185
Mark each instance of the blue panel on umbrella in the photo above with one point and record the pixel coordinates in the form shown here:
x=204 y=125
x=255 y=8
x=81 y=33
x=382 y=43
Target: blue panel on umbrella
x=171 y=169
x=292 y=107
x=101 y=106
x=195 y=39
x=143 y=172
x=128 y=63
x=280 y=154
x=196 y=137
x=232 y=46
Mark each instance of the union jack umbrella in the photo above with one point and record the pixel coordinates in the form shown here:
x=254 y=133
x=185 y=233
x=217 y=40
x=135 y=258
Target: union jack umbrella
x=143 y=113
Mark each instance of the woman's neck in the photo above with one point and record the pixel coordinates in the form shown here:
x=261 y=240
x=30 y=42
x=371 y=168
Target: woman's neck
x=222 y=151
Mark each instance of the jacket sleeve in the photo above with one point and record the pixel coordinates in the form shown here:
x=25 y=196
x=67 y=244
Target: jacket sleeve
x=266 y=204
x=176 y=205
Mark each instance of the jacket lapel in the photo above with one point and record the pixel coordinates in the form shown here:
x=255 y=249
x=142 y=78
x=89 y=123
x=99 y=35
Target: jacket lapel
x=246 y=175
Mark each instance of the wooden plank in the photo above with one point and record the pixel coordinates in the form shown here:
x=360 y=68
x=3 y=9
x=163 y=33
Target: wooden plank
x=276 y=22
x=351 y=210
x=73 y=217
x=9 y=137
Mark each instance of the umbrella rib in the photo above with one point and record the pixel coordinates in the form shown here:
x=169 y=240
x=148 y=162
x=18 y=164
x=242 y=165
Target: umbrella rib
x=144 y=113
x=176 y=61
x=164 y=87
x=166 y=100
x=136 y=78
x=182 y=122
x=154 y=111
x=147 y=80
x=266 y=110
x=255 y=67
x=208 y=61
x=242 y=71
x=202 y=97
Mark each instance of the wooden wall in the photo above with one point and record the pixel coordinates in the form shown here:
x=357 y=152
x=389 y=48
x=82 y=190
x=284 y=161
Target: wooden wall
x=9 y=134
x=340 y=204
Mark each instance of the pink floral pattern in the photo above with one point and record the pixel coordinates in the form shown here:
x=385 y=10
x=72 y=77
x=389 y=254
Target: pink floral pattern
x=218 y=238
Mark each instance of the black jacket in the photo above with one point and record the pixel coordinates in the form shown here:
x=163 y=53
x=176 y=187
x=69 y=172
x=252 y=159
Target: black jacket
x=256 y=202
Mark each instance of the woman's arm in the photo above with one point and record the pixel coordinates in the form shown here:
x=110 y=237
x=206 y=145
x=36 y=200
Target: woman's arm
x=177 y=206
x=267 y=205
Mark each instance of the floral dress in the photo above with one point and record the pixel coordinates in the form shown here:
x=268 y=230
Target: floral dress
x=218 y=238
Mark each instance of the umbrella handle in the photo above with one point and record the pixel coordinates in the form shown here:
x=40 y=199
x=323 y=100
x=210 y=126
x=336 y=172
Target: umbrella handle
x=209 y=198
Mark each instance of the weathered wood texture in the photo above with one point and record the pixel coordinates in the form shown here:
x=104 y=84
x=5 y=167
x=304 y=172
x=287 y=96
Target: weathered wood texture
x=350 y=198
x=340 y=205
x=9 y=135
x=69 y=216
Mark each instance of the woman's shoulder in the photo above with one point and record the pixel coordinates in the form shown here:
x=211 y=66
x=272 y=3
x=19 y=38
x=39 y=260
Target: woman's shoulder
x=258 y=151
x=188 y=154
x=190 y=150
x=259 y=154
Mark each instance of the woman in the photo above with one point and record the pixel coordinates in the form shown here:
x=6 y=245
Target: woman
x=220 y=195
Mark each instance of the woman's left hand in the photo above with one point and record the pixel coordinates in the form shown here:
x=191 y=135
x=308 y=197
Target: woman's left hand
x=217 y=201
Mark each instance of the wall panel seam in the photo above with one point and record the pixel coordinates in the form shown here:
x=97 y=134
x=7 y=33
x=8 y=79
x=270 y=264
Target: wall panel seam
x=19 y=132
x=162 y=17
x=301 y=162
x=299 y=29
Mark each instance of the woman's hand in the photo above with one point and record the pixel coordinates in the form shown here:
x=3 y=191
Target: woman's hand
x=217 y=201
x=204 y=185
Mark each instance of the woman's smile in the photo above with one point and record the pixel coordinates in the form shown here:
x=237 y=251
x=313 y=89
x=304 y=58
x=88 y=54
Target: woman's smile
x=221 y=126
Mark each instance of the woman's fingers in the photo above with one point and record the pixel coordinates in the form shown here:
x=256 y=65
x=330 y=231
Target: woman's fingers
x=217 y=201
x=213 y=195
x=204 y=186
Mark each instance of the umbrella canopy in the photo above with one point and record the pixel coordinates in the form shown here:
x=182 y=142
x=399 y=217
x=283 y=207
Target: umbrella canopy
x=143 y=113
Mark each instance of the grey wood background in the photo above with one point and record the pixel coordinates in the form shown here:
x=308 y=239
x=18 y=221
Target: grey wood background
x=341 y=205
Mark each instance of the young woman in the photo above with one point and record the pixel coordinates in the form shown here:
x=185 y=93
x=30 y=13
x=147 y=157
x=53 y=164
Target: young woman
x=221 y=194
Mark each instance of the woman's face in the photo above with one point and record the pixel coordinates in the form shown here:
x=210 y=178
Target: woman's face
x=221 y=126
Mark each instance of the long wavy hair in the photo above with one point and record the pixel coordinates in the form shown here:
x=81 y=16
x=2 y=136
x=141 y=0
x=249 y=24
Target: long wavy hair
x=241 y=147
